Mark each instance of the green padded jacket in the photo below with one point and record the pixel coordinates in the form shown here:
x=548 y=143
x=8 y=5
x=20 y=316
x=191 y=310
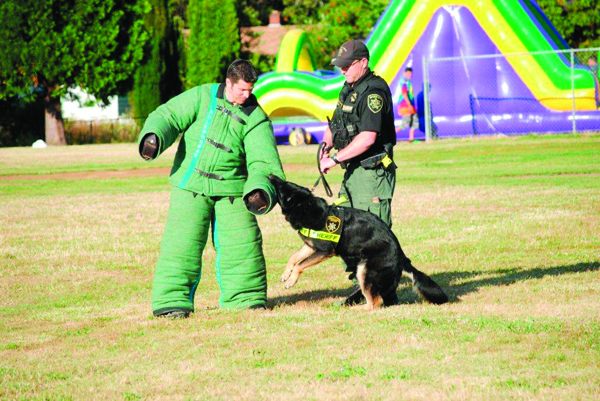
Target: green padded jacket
x=225 y=150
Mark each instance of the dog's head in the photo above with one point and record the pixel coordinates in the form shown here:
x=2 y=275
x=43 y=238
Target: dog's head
x=289 y=194
x=300 y=207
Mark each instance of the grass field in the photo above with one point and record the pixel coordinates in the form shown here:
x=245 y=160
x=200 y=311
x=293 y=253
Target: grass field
x=509 y=227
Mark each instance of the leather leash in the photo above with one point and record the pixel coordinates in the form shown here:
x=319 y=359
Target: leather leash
x=321 y=176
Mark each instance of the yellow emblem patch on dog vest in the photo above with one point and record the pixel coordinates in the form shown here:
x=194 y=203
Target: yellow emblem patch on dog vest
x=332 y=231
x=333 y=224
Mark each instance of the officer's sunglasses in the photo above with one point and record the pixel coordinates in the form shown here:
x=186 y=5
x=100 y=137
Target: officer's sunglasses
x=347 y=68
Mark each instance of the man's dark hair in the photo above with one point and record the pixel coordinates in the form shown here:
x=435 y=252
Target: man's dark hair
x=593 y=57
x=242 y=69
x=408 y=69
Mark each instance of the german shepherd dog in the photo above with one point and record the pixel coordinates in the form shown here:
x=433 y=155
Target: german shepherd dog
x=366 y=244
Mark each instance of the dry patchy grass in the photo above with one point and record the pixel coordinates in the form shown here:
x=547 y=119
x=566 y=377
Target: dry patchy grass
x=519 y=259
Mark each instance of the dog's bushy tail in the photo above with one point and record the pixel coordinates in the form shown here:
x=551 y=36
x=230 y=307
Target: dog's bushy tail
x=424 y=286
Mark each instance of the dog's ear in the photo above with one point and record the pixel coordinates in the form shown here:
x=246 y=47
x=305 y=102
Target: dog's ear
x=278 y=185
x=276 y=181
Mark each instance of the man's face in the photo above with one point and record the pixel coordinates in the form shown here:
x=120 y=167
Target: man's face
x=355 y=70
x=408 y=74
x=237 y=93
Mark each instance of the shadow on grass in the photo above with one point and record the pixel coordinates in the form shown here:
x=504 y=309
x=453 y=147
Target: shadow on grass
x=503 y=277
x=406 y=295
x=310 y=296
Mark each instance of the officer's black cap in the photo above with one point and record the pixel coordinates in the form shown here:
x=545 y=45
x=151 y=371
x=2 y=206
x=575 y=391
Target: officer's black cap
x=350 y=51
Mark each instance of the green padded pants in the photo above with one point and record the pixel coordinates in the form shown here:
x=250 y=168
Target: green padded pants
x=240 y=264
x=369 y=190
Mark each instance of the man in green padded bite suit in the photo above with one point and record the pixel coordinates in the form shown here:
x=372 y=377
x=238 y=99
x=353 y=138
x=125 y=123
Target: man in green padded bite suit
x=220 y=179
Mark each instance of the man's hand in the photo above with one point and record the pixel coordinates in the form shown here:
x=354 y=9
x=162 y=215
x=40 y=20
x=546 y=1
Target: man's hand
x=324 y=155
x=149 y=147
x=257 y=201
x=326 y=164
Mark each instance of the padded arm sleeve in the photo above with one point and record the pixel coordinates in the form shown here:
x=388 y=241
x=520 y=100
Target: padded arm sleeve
x=262 y=159
x=172 y=118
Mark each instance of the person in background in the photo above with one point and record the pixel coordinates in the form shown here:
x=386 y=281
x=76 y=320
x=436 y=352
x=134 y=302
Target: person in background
x=406 y=107
x=593 y=66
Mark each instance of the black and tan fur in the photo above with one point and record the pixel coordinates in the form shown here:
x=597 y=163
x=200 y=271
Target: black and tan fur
x=369 y=248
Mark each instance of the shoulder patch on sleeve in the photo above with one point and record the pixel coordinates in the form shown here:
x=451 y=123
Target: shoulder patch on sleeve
x=375 y=102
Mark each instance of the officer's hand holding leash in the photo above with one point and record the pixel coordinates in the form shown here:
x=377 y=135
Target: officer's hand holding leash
x=320 y=154
x=326 y=160
x=327 y=163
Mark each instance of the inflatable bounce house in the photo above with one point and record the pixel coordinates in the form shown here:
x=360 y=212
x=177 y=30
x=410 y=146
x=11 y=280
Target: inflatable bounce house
x=494 y=69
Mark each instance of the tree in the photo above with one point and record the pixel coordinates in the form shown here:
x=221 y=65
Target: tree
x=256 y=12
x=158 y=78
x=214 y=40
x=55 y=45
x=577 y=21
x=305 y=12
x=332 y=23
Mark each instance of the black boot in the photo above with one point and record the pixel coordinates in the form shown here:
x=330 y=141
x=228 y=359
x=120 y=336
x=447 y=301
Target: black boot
x=173 y=314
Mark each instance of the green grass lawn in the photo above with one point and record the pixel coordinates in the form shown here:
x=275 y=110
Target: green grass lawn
x=509 y=227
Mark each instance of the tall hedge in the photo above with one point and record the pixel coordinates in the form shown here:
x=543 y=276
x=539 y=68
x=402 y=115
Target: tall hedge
x=21 y=122
x=158 y=77
x=214 y=40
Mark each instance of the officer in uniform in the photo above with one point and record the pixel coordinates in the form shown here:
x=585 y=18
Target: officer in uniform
x=362 y=130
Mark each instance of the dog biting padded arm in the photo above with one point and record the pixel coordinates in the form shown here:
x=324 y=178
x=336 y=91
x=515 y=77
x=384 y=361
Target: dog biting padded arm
x=257 y=202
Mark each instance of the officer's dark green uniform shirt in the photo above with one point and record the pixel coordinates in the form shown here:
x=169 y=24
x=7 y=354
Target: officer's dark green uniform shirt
x=366 y=106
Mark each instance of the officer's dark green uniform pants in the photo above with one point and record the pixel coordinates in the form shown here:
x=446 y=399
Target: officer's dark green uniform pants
x=370 y=190
x=240 y=264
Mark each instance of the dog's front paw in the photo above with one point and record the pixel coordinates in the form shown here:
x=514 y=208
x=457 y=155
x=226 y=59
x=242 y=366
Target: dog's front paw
x=286 y=274
x=290 y=282
x=363 y=307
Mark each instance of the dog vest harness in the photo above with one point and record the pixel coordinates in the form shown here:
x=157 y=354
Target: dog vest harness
x=332 y=230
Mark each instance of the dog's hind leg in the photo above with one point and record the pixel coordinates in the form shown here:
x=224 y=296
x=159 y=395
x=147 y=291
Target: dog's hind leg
x=296 y=258
x=373 y=301
x=391 y=298
x=314 y=259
